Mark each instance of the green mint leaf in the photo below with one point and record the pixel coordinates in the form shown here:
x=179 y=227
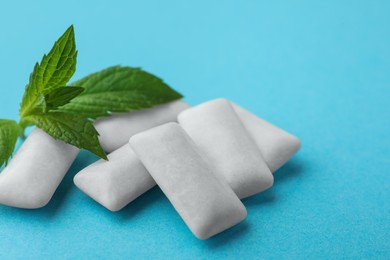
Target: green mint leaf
x=60 y=96
x=9 y=132
x=119 y=89
x=71 y=129
x=55 y=70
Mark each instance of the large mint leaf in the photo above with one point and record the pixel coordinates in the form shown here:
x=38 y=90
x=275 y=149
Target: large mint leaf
x=55 y=70
x=119 y=89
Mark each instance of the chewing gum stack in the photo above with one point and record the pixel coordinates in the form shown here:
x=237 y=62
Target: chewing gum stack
x=217 y=154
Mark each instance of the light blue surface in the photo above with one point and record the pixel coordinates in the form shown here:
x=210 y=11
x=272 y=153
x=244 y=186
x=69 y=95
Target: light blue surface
x=320 y=69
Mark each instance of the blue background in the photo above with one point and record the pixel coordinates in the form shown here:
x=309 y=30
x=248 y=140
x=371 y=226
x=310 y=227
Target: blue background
x=320 y=69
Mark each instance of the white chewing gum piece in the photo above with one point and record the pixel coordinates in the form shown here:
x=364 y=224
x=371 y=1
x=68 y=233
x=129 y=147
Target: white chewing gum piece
x=116 y=130
x=109 y=189
x=276 y=145
x=116 y=182
x=223 y=140
x=207 y=204
x=34 y=173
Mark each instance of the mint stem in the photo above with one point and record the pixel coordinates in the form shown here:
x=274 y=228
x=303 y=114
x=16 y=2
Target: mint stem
x=23 y=125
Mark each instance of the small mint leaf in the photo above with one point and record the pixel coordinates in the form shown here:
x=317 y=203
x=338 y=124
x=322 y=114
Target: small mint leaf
x=71 y=129
x=60 y=96
x=9 y=132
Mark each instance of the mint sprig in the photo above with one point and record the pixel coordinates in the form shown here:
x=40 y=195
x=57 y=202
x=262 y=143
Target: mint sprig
x=46 y=91
x=67 y=112
x=54 y=71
